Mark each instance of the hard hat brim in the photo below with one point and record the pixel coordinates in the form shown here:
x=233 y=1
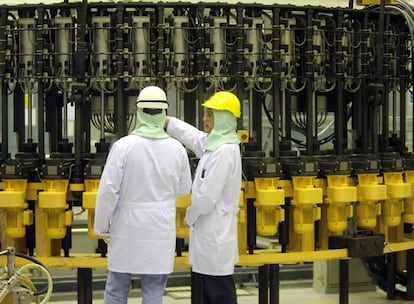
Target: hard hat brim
x=152 y=105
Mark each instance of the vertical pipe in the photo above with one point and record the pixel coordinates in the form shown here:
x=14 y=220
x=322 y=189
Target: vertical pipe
x=53 y=117
x=284 y=226
x=40 y=46
x=379 y=78
x=65 y=116
x=385 y=64
x=256 y=121
x=357 y=103
x=365 y=113
x=410 y=274
x=190 y=108
x=160 y=48
x=87 y=127
x=85 y=286
x=277 y=94
x=274 y=281
x=340 y=109
x=311 y=130
x=120 y=99
x=4 y=121
x=81 y=51
x=40 y=120
x=77 y=174
x=343 y=281
x=264 y=284
x=391 y=267
x=403 y=84
x=380 y=41
x=239 y=58
x=19 y=119
x=29 y=100
x=201 y=62
x=251 y=226
x=403 y=117
x=3 y=90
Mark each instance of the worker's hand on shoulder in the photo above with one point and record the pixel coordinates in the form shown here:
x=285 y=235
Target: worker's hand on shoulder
x=167 y=120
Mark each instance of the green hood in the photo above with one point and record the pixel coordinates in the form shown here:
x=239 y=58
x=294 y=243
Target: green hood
x=150 y=126
x=224 y=131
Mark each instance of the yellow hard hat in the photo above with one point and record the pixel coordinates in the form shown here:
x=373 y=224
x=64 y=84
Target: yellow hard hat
x=224 y=101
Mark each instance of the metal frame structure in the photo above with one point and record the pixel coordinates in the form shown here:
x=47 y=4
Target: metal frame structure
x=326 y=128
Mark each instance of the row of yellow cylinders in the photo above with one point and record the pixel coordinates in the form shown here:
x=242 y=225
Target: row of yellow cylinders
x=307 y=192
x=389 y=197
x=51 y=196
x=270 y=195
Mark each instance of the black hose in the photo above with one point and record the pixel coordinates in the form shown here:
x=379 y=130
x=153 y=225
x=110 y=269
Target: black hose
x=36 y=261
x=377 y=269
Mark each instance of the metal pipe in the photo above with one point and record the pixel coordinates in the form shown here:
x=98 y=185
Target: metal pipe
x=160 y=48
x=120 y=96
x=340 y=108
x=311 y=130
x=343 y=281
x=274 y=282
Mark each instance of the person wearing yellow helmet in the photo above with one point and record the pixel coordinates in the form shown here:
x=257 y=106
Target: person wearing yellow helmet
x=224 y=101
x=212 y=216
x=144 y=174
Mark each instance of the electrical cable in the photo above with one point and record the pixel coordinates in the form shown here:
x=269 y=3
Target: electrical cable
x=25 y=281
x=49 y=288
x=377 y=269
x=377 y=266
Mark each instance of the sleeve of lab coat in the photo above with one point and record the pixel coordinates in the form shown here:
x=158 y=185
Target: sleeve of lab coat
x=185 y=176
x=187 y=134
x=108 y=190
x=210 y=186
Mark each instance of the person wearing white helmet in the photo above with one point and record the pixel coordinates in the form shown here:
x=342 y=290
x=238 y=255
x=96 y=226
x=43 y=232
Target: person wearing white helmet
x=212 y=216
x=143 y=175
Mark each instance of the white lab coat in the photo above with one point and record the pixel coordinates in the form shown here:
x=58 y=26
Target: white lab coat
x=137 y=193
x=215 y=194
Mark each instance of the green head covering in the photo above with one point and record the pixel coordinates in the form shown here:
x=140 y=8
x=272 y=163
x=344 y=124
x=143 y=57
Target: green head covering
x=224 y=130
x=150 y=126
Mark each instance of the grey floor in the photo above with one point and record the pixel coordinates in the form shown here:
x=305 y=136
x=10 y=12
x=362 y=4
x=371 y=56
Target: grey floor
x=299 y=292
x=249 y=295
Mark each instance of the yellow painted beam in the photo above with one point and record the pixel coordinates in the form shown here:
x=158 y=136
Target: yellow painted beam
x=374 y=2
x=269 y=257
x=260 y=257
x=400 y=246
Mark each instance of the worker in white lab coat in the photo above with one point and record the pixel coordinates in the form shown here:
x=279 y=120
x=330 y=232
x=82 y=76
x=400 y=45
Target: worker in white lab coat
x=135 y=208
x=215 y=193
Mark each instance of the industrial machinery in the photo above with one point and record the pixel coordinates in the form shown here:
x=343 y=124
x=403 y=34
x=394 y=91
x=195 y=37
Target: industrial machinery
x=20 y=285
x=326 y=127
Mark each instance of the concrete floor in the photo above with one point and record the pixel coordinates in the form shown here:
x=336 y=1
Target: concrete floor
x=249 y=295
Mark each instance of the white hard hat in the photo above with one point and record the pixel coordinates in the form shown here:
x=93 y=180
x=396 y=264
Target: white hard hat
x=152 y=97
